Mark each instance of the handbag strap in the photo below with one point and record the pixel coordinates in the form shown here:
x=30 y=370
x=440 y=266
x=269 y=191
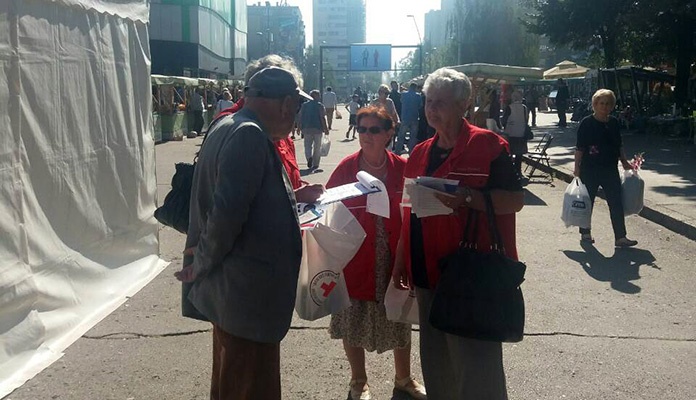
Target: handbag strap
x=496 y=240
x=470 y=231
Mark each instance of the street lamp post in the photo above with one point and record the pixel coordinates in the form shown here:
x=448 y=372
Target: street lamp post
x=420 y=42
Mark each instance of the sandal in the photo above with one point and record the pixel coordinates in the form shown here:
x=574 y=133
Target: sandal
x=587 y=238
x=359 y=390
x=412 y=387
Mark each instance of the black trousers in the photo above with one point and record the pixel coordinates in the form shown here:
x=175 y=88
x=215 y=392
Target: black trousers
x=608 y=179
x=561 y=111
x=198 y=122
x=532 y=110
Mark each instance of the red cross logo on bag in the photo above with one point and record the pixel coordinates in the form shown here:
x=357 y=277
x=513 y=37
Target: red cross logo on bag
x=322 y=285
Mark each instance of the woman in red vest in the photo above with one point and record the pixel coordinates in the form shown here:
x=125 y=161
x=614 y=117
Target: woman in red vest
x=455 y=367
x=364 y=325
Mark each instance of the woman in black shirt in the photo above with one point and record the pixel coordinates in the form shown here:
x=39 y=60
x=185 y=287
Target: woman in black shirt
x=597 y=151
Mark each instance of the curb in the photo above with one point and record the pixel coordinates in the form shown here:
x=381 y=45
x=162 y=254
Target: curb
x=648 y=212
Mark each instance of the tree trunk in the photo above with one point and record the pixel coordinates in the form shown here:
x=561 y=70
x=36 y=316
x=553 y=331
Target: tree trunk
x=685 y=48
x=609 y=47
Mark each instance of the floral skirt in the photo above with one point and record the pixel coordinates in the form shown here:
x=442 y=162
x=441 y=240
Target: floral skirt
x=365 y=324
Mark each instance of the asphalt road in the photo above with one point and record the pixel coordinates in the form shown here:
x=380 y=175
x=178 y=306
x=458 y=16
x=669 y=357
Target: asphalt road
x=601 y=323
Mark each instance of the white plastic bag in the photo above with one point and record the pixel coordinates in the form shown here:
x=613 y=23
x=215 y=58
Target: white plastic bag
x=401 y=305
x=632 y=189
x=326 y=250
x=325 y=145
x=577 y=207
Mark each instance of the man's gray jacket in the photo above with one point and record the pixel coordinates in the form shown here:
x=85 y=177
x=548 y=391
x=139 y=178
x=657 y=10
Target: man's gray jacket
x=245 y=229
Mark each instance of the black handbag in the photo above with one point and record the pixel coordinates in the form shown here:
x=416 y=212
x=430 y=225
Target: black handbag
x=174 y=211
x=478 y=295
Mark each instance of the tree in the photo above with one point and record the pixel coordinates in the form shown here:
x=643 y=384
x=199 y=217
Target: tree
x=642 y=32
x=491 y=31
x=583 y=24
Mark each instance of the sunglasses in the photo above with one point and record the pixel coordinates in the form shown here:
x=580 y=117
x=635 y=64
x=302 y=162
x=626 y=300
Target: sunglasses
x=373 y=129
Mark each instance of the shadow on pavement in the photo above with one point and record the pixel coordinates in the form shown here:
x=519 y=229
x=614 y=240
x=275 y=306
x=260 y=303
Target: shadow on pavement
x=620 y=269
x=530 y=199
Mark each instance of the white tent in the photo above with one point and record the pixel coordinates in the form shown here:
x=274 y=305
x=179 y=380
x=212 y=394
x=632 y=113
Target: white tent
x=77 y=173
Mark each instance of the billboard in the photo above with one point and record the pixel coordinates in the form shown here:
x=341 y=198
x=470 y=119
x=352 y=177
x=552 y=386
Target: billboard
x=370 y=57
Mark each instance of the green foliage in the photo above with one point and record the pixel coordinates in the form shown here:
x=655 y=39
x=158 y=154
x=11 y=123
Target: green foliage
x=642 y=32
x=492 y=31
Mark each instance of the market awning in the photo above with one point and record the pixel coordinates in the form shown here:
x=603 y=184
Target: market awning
x=565 y=69
x=493 y=73
x=173 y=80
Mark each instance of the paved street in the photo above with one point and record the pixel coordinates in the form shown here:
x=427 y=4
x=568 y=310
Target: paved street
x=602 y=323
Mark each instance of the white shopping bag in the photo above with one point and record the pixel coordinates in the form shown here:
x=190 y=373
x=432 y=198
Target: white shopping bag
x=577 y=207
x=632 y=190
x=325 y=145
x=401 y=305
x=326 y=250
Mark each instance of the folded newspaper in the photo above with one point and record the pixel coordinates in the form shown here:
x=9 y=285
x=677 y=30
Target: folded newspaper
x=420 y=192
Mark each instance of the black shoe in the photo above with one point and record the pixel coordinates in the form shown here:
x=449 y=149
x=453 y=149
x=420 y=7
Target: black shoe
x=309 y=163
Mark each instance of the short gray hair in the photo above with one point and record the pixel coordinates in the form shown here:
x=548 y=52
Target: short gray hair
x=449 y=79
x=273 y=60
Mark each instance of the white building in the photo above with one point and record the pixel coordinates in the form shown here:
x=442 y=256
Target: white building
x=337 y=23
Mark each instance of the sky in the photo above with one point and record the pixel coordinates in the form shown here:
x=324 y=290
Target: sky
x=387 y=21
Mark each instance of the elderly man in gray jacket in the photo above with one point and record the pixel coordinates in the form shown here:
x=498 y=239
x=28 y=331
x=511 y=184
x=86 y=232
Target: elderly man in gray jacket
x=244 y=230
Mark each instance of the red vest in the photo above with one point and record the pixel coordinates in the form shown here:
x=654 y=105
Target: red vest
x=469 y=163
x=360 y=271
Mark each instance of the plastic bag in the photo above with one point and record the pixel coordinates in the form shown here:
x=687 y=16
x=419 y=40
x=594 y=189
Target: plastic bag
x=632 y=190
x=325 y=145
x=401 y=305
x=338 y=115
x=577 y=206
x=326 y=250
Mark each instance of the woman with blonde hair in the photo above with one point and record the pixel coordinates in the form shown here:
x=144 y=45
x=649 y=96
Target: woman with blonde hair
x=597 y=152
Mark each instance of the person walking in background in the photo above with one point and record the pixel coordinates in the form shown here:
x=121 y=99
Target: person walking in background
x=224 y=103
x=454 y=367
x=243 y=247
x=385 y=102
x=514 y=121
x=329 y=100
x=425 y=131
x=532 y=102
x=562 y=98
x=395 y=95
x=364 y=326
x=312 y=124
x=352 y=109
x=597 y=152
x=494 y=108
x=410 y=104
x=197 y=108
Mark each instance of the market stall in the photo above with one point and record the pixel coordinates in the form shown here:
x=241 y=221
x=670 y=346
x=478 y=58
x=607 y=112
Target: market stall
x=170 y=96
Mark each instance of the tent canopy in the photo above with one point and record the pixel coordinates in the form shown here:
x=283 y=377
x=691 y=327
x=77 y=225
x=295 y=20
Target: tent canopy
x=481 y=73
x=565 y=69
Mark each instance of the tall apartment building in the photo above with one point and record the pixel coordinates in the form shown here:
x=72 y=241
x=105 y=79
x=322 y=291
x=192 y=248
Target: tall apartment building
x=199 y=38
x=338 y=23
x=436 y=34
x=276 y=29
